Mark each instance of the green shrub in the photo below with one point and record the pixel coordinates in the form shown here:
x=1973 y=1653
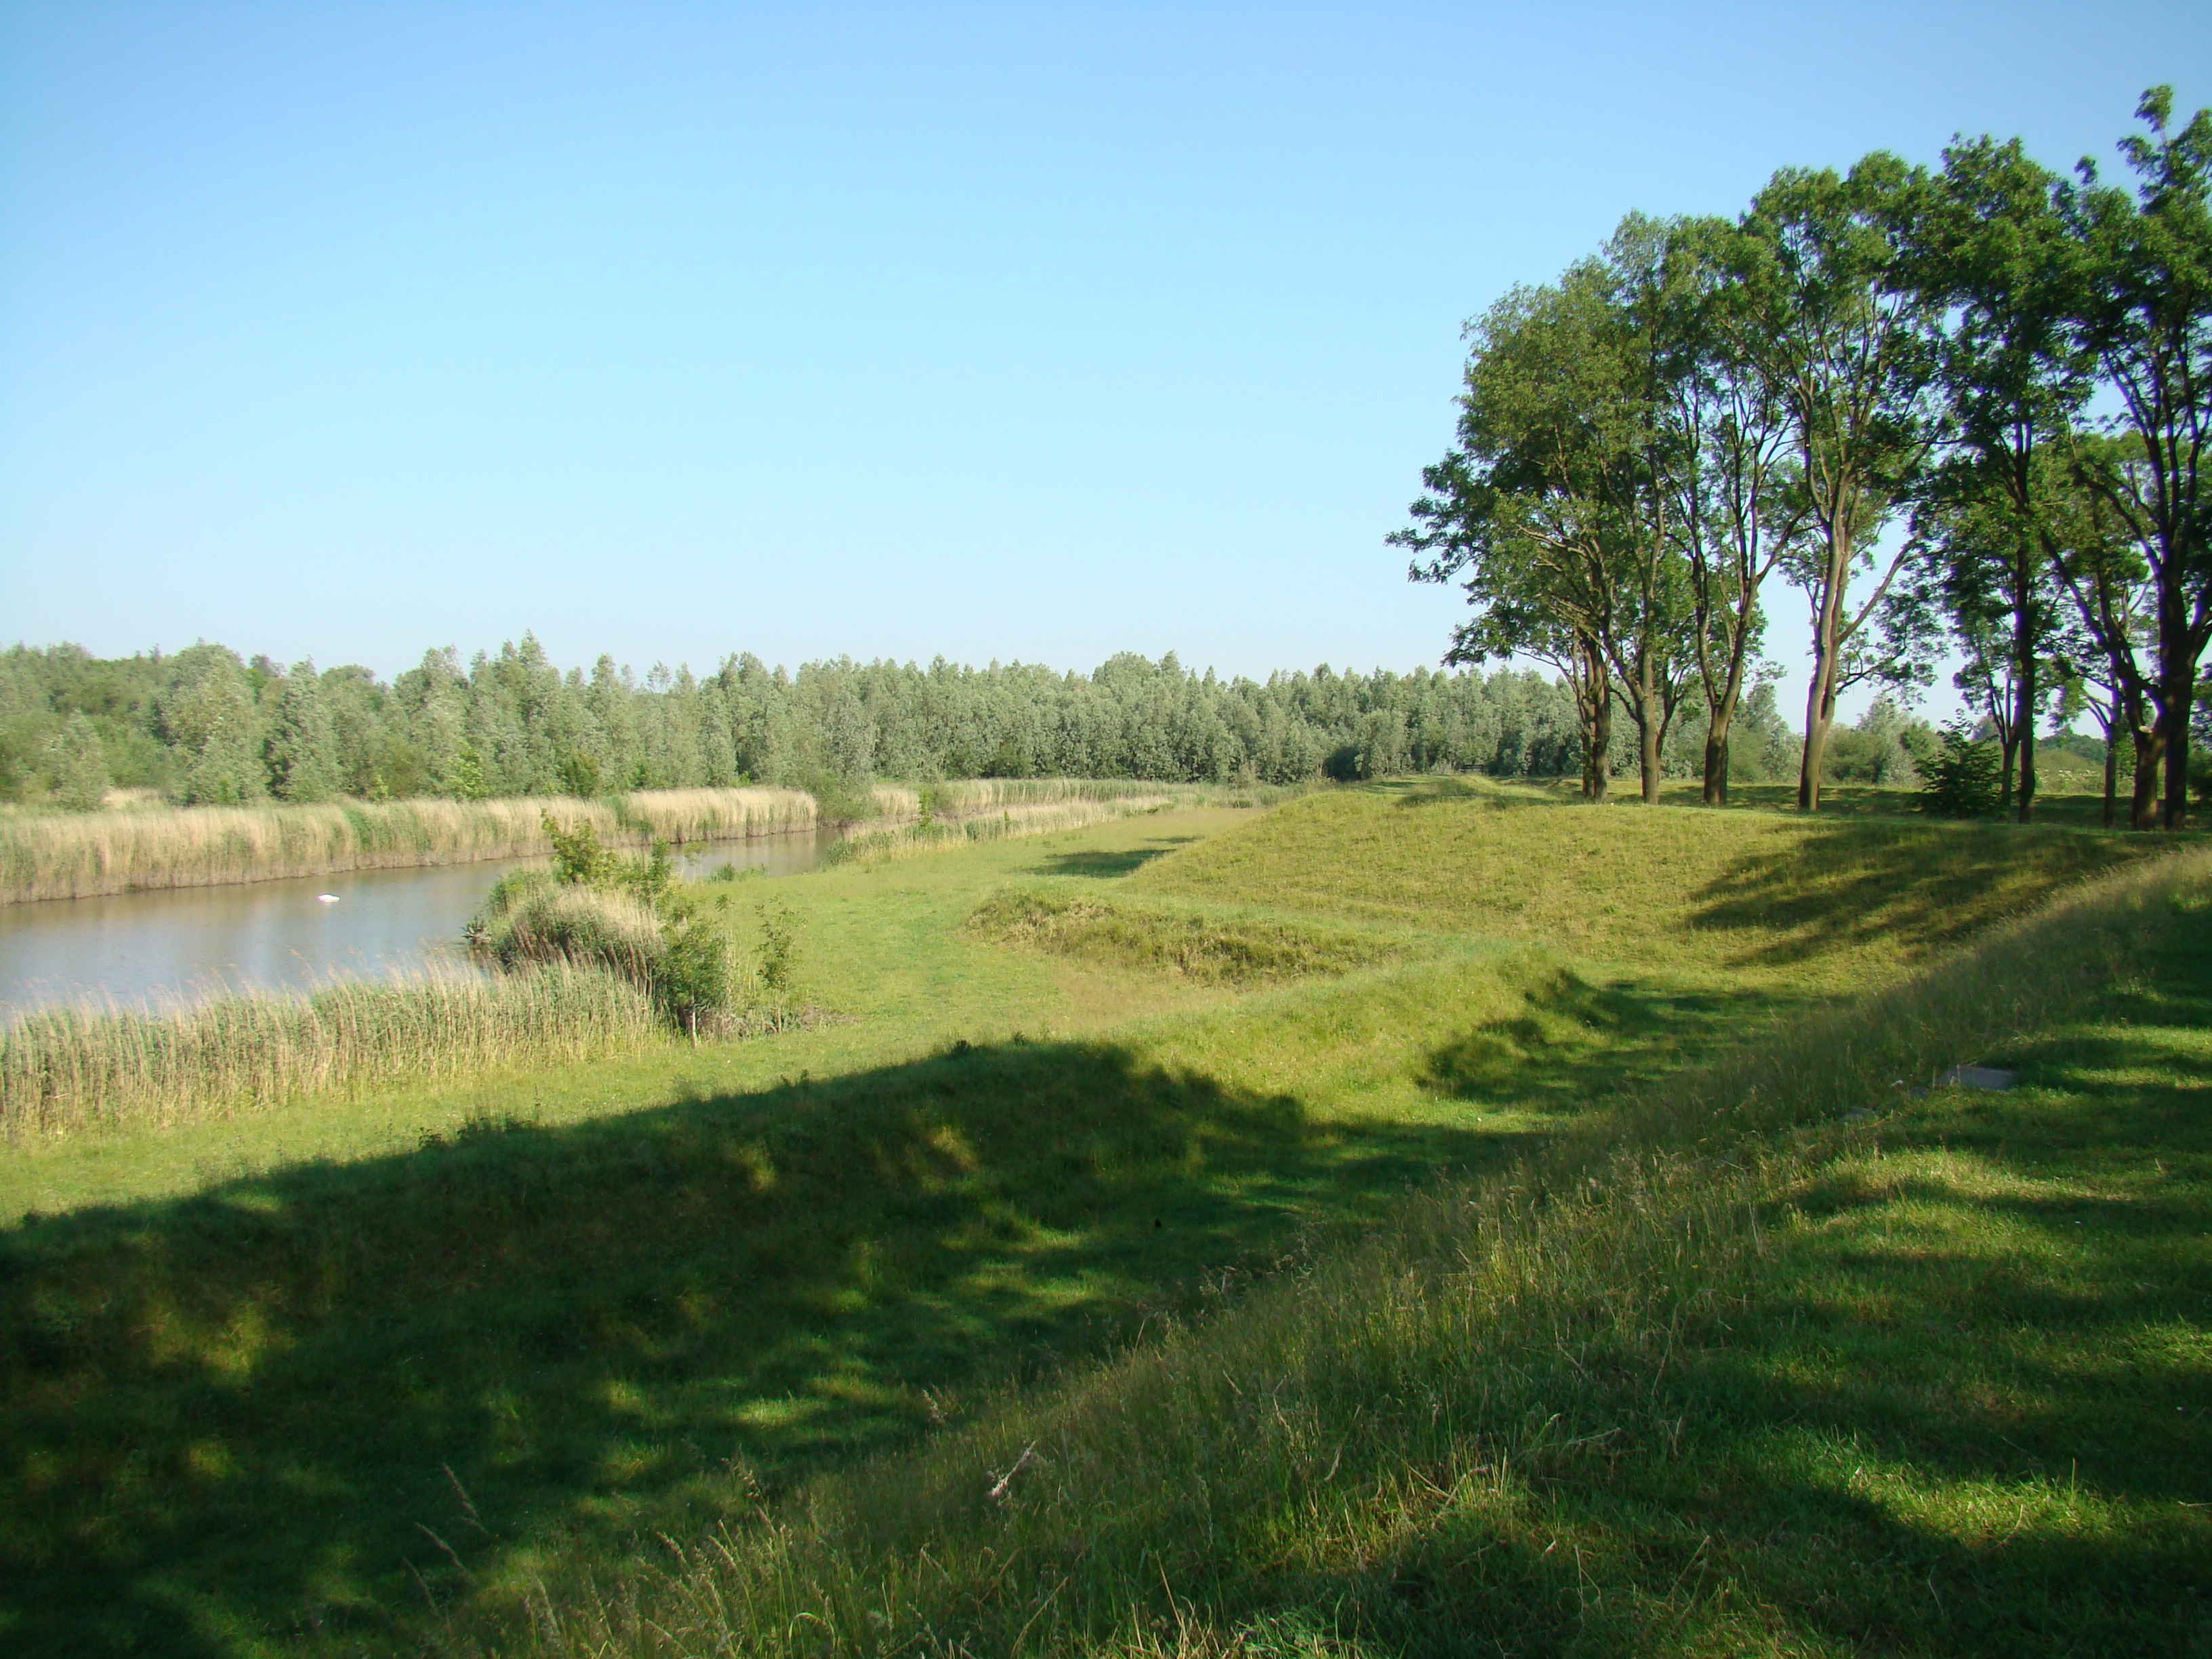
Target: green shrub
x=1960 y=775
x=596 y=907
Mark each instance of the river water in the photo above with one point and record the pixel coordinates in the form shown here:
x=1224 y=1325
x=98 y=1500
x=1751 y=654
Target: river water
x=179 y=946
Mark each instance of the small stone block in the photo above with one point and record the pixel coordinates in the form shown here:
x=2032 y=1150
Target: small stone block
x=1975 y=1077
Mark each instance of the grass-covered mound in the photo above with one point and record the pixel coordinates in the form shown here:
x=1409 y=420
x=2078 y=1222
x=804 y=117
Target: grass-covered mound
x=1236 y=948
x=1754 y=893
x=1786 y=1362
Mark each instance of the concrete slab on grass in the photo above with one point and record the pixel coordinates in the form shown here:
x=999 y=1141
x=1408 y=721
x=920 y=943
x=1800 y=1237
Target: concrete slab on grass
x=1975 y=1077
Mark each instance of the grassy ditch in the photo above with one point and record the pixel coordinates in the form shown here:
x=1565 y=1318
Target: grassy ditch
x=1236 y=950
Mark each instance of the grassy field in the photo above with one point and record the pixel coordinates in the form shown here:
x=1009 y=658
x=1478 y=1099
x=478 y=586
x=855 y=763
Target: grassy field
x=1093 y=1290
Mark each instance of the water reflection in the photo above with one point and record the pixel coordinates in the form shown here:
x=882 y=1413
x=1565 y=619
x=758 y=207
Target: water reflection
x=181 y=945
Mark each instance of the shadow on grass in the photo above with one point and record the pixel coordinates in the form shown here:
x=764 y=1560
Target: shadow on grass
x=308 y=1402
x=1962 y=1406
x=1577 y=1042
x=1847 y=884
x=1106 y=864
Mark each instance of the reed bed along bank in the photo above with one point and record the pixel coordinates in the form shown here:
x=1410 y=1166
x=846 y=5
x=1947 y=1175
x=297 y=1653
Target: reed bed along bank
x=934 y=833
x=1387 y=1444
x=64 y=1070
x=79 y=855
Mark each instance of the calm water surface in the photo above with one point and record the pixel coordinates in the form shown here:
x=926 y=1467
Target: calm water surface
x=181 y=945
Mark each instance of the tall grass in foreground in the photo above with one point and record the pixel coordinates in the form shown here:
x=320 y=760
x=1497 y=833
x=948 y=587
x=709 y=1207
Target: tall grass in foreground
x=1385 y=1446
x=79 y=855
x=66 y=1070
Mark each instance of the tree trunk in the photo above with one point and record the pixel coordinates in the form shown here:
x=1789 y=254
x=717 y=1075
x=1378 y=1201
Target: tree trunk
x=2180 y=700
x=1650 y=713
x=2111 y=777
x=1601 y=744
x=2142 y=810
x=1717 y=760
x=2026 y=622
x=1820 y=696
x=1820 y=715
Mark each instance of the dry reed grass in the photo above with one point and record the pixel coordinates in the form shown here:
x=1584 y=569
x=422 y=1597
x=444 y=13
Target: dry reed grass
x=936 y=835
x=78 y=855
x=68 y=1070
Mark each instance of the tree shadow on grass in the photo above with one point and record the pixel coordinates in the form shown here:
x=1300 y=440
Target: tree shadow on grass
x=1912 y=887
x=1960 y=1404
x=1104 y=864
x=306 y=1402
x=1577 y=1042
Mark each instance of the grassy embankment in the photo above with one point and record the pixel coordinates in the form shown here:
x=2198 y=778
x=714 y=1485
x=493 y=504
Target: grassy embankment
x=286 y=1351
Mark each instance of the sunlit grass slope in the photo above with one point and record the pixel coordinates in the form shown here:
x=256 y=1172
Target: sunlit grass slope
x=1759 y=894
x=336 y=1376
x=1787 y=1362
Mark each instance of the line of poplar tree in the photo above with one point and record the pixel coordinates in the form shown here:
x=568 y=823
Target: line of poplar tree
x=1962 y=407
x=203 y=725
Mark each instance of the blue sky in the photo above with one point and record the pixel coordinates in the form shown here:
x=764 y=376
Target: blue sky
x=1035 y=333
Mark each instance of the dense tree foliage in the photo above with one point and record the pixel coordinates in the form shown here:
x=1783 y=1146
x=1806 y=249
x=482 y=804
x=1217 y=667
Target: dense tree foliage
x=1962 y=409
x=205 y=726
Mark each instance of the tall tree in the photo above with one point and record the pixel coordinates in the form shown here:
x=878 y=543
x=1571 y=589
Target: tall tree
x=1547 y=509
x=1655 y=284
x=1521 y=511
x=1847 y=344
x=1737 y=510
x=2110 y=643
x=2147 y=315
x=301 y=746
x=1991 y=247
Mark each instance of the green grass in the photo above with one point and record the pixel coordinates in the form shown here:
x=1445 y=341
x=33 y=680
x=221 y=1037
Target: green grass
x=1822 y=901
x=1739 y=1376
x=346 y=1375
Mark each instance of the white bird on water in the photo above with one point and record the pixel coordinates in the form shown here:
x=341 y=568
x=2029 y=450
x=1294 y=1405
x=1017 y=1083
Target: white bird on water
x=326 y=898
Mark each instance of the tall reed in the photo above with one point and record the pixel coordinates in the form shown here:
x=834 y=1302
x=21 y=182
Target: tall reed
x=77 y=855
x=68 y=1070
x=933 y=835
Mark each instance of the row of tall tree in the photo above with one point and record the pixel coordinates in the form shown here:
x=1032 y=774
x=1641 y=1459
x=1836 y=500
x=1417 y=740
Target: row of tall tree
x=204 y=726
x=1960 y=408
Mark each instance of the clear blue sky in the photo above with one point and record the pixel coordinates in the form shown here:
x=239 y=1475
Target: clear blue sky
x=1039 y=331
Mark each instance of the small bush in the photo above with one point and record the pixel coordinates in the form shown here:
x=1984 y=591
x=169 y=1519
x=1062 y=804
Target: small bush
x=1960 y=775
x=595 y=908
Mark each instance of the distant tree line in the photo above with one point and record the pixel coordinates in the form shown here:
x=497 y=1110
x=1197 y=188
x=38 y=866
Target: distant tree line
x=204 y=726
x=1961 y=408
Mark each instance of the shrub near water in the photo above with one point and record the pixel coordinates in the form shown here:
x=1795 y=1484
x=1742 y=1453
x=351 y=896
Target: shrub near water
x=595 y=908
